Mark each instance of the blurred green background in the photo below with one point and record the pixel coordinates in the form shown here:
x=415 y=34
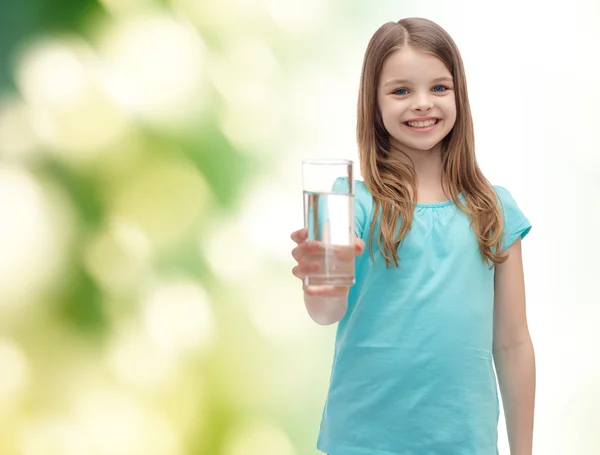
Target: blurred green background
x=147 y=305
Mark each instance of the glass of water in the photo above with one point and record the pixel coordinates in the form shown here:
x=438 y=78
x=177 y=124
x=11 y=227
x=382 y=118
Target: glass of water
x=328 y=187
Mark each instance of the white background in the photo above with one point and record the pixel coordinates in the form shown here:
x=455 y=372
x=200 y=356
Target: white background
x=533 y=71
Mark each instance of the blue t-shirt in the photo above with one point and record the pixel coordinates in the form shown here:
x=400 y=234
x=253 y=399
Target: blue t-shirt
x=413 y=369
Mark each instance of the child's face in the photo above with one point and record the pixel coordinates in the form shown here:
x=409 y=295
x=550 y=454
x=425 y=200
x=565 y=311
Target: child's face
x=416 y=87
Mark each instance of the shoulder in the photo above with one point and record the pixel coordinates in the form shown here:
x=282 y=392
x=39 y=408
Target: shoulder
x=505 y=199
x=503 y=194
x=361 y=191
x=362 y=195
x=361 y=188
x=363 y=202
x=515 y=222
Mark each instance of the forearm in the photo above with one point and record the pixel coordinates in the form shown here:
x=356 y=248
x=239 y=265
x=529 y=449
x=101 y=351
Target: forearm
x=326 y=310
x=517 y=376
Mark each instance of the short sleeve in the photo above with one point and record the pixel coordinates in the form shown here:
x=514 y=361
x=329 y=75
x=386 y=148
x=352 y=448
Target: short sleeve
x=516 y=224
x=363 y=204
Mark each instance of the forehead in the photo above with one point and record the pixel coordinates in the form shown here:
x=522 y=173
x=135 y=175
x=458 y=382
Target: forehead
x=412 y=64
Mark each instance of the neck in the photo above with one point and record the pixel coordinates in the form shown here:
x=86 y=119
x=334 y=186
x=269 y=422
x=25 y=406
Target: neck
x=428 y=166
x=427 y=163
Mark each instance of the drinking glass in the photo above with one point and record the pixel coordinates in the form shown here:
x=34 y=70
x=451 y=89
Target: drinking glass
x=328 y=188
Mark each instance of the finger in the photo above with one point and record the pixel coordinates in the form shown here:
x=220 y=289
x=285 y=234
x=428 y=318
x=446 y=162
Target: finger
x=298 y=272
x=305 y=248
x=299 y=236
x=301 y=271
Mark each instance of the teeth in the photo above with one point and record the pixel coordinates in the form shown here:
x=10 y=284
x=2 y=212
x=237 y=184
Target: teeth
x=424 y=124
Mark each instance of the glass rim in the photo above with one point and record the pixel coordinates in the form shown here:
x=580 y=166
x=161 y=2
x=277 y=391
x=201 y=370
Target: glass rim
x=327 y=161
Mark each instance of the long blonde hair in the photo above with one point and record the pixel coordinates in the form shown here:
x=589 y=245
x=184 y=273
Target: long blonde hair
x=394 y=184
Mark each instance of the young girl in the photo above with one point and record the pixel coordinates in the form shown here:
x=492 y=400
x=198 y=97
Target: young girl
x=439 y=300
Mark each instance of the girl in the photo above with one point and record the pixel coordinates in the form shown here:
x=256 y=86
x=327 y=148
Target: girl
x=439 y=300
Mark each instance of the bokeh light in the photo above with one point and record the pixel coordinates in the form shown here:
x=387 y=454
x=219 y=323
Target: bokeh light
x=136 y=360
x=113 y=423
x=248 y=77
x=155 y=65
x=34 y=235
x=178 y=318
x=72 y=111
x=163 y=198
x=118 y=258
x=17 y=139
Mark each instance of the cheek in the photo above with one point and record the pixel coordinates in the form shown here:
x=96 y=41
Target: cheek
x=391 y=113
x=450 y=111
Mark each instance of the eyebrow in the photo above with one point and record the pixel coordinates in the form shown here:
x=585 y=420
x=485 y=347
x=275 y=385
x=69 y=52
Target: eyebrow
x=405 y=81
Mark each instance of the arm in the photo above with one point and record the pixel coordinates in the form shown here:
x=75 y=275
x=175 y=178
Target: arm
x=513 y=351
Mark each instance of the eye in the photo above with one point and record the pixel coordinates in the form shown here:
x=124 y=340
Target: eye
x=440 y=88
x=401 y=91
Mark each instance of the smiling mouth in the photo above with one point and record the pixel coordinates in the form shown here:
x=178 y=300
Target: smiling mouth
x=423 y=123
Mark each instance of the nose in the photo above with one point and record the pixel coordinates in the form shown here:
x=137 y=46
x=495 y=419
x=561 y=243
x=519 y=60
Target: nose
x=422 y=103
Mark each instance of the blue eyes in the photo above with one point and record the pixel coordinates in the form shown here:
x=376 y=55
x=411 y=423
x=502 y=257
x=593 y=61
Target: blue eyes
x=436 y=89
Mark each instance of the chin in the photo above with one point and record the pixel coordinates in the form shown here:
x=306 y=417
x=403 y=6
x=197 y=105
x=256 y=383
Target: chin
x=422 y=146
x=425 y=148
